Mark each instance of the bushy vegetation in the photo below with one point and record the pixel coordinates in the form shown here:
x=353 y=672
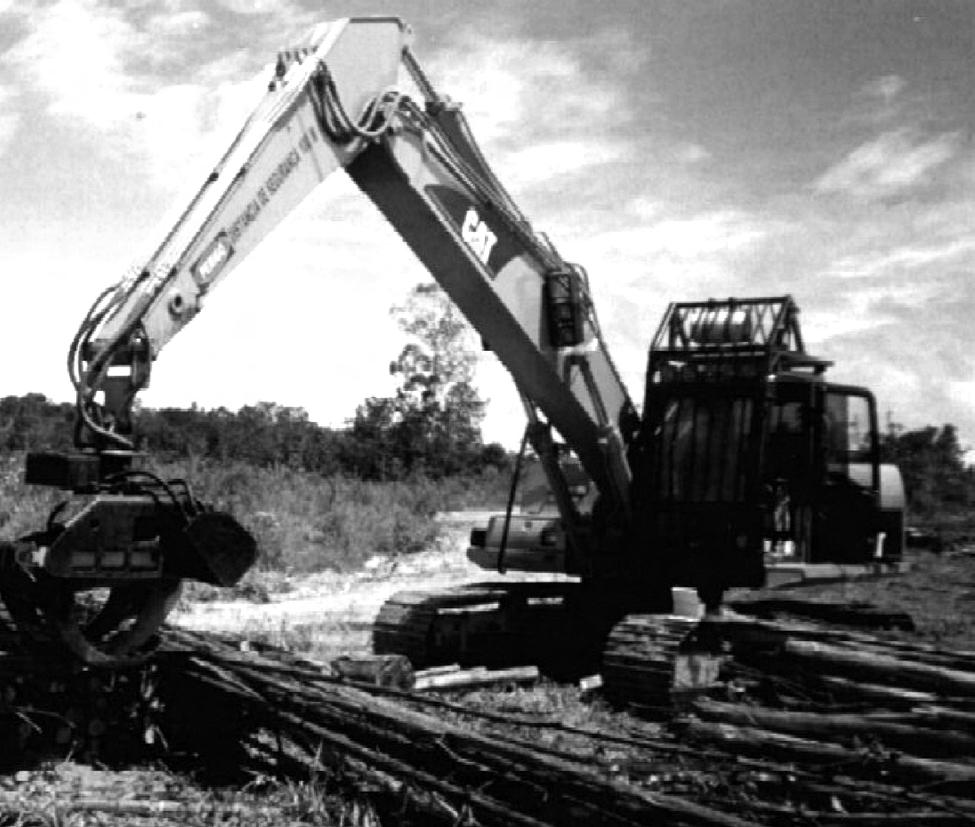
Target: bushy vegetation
x=430 y=427
x=23 y=508
x=432 y=424
x=303 y=521
x=931 y=460
x=306 y=522
x=387 y=439
x=315 y=497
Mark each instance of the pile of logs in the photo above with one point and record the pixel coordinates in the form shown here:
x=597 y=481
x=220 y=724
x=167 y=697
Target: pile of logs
x=808 y=723
x=426 y=769
x=801 y=731
x=53 y=707
x=894 y=716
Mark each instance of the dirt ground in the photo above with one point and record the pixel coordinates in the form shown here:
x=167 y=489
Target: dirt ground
x=938 y=593
x=331 y=613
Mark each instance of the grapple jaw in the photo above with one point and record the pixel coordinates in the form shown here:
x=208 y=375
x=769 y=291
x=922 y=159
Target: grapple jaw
x=220 y=549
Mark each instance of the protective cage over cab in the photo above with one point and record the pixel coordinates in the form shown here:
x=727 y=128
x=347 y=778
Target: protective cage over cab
x=749 y=456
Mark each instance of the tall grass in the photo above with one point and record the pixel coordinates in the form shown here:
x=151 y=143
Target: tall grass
x=23 y=508
x=303 y=522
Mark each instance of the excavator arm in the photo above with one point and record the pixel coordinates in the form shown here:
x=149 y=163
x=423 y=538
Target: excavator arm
x=418 y=162
x=280 y=155
x=338 y=100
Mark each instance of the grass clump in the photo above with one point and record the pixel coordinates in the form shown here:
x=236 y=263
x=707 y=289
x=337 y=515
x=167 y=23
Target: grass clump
x=305 y=522
x=23 y=508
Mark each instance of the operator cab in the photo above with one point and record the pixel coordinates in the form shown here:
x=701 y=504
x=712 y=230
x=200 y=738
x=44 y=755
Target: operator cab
x=747 y=456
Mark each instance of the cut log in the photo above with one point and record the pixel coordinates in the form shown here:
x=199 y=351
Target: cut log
x=478 y=678
x=858 y=690
x=905 y=769
x=437 y=670
x=516 y=784
x=861 y=615
x=394 y=671
x=780 y=814
x=880 y=668
x=844 y=728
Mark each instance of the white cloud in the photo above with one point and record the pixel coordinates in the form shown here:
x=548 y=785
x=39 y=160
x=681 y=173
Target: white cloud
x=903 y=259
x=132 y=112
x=709 y=235
x=646 y=208
x=251 y=6
x=885 y=87
x=557 y=160
x=177 y=23
x=895 y=161
x=77 y=40
x=188 y=126
x=9 y=118
x=962 y=392
x=637 y=269
x=861 y=309
x=522 y=89
x=691 y=154
x=920 y=371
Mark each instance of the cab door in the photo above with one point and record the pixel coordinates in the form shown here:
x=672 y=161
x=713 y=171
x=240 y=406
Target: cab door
x=847 y=514
x=791 y=468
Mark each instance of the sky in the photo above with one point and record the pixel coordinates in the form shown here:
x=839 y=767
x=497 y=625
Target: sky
x=678 y=149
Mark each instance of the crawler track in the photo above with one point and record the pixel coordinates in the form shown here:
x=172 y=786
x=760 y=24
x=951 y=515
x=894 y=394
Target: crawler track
x=639 y=661
x=482 y=624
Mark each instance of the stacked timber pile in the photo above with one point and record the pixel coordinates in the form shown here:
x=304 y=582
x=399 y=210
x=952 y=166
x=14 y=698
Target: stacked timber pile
x=420 y=768
x=887 y=716
x=808 y=759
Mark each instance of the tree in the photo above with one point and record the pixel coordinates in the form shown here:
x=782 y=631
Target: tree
x=931 y=460
x=433 y=423
x=32 y=422
x=441 y=354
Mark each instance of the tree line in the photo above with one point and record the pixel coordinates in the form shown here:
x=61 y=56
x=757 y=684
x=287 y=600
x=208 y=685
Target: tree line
x=414 y=432
x=932 y=463
x=430 y=426
x=376 y=444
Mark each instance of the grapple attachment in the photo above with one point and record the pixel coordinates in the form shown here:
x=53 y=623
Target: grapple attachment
x=103 y=576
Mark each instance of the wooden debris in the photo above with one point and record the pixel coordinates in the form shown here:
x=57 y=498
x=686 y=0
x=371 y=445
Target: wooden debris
x=907 y=733
x=499 y=780
x=882 y=668
x=858 y=615
x=477 y=678
x=590 y=683
x=393 y=671
x=900 y=768
x=798 y=692
x=438 y=670
x=829 y=726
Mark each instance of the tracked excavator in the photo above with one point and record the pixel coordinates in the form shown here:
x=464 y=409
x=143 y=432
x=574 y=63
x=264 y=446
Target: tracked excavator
x=742 y=448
